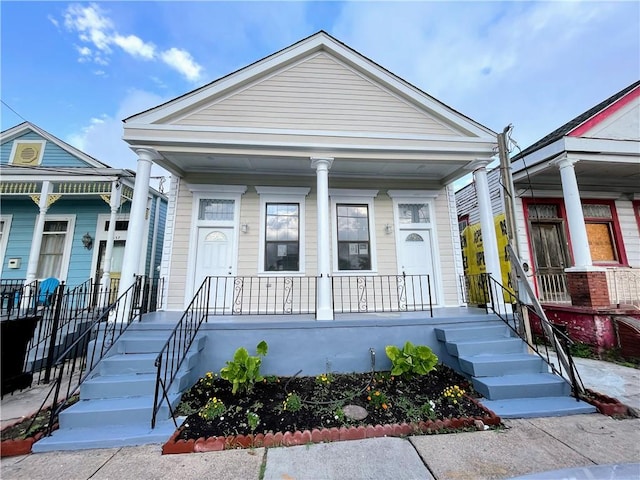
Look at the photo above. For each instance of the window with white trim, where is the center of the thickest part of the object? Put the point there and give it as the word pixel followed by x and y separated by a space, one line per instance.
pixel 353 231
pixel 55 248
pixel 5 226
pixel 282 229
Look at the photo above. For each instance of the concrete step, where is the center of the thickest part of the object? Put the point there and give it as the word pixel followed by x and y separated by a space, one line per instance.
pixel 98 413
pixel 106 437
pixel 491 330
pixel 136 342
pixel 525 385
pixel 115 386
pixel 537 407
pixel 499 364
pixel 134 363
pixel 476 347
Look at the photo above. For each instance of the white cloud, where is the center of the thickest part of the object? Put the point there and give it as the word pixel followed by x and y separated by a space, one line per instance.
pixel 183 62
pixel 94 27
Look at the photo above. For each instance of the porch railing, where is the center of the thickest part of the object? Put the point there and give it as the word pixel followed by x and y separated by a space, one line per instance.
pixel 382 293
pixel 77 362
pixel 624 286
pixel 552 287
pixel 513 310
pixel 474 289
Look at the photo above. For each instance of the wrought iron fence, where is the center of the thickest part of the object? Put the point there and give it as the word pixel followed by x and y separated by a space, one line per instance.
pixel 382 293
pixel 76 363
pixel 552 287
pixel 474 289
pixel 624 286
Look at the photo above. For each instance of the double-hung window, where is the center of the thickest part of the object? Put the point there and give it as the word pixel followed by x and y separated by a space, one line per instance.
pixel 55 248
pixel 282 229
pixel 353 232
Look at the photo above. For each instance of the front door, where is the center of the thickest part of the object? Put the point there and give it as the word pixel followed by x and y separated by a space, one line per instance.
pixel 214 259
pixel 416 262
pixel 551 259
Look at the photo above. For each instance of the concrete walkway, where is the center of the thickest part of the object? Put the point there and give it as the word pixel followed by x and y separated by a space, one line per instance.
pixel 589 444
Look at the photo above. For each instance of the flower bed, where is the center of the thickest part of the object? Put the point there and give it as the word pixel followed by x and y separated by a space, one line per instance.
pixel 606 405
pixel 300 410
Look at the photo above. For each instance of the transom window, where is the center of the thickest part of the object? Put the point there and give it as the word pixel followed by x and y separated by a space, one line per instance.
pixel 216 209
pixel 354 246
pixel 282 237
pixel 413 213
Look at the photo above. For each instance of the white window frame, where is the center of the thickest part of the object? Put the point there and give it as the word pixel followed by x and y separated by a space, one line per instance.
pixel 282 195
pixel 353 197
pixel 14 149
pixel 6 219
pixel 68 242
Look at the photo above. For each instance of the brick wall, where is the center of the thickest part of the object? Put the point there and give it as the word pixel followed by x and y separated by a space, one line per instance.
pixel 588 289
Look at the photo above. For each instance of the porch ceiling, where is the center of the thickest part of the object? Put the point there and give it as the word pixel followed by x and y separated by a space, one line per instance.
pixel 442 168
pixel 600 175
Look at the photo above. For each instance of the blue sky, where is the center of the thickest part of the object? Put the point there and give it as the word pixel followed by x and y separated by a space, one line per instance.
pixel 78 69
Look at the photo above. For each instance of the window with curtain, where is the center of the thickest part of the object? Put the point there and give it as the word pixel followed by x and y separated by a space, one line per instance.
pixel 354 246
pixel 282 237
pixel 52 249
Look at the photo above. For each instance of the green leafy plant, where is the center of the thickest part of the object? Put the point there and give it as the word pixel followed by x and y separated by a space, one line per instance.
pixel 293 402
pixel 244 370
pixel 377 399
pixel 324 379
pixel 411 360
pixel 213 409
pixel 253 419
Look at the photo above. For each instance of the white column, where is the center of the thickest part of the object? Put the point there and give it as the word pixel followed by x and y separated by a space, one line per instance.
pixel 575 217
pixel 36 241
pixel 137 221
pixel 114 204
pixel 324 309
pixel 487 225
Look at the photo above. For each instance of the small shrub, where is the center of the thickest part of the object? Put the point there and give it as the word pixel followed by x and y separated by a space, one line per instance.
pixel 412 360
pixel 213 409
pixel 378 399
pixel 582 350
pixel 293 403
pixel 244 370
pixel 253 419
pixel 453 394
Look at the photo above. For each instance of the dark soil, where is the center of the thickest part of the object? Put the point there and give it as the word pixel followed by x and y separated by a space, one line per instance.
pixel 323 400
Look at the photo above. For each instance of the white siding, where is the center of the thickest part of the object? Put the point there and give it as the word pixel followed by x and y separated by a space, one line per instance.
pixel 623 124
pixel 181 248
pixel 467 198
pixel 630 233
pixel 319 93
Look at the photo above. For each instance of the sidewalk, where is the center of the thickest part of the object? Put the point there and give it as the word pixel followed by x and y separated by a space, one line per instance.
pixel 524 446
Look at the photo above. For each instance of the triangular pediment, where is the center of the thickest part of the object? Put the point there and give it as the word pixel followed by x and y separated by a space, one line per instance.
pixel 317 84
pixel 27 145
pixel 620 124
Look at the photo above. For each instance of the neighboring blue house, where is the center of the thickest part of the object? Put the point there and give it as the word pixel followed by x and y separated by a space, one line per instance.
pixel 64 214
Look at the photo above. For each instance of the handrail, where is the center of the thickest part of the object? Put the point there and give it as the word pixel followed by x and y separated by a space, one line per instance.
pixel 175 349
pixel 501 297
pixel 77 363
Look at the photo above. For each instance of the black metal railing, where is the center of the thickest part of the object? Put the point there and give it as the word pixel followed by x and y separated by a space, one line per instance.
pixel 175 349
pixel 555 349
pixel 77 362
pixel 382 293
pixel 474 289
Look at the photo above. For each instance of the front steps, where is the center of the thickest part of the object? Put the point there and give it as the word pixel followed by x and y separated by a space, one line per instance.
pixel 513 382
pixel 116 402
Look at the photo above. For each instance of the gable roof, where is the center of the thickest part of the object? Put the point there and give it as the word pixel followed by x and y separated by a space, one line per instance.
pixel 573 127
pixel 320 41
pixel 25 127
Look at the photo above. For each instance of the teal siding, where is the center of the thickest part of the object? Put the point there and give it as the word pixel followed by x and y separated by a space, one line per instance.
pixel 19 242
pixel 153 259
pixel 54 156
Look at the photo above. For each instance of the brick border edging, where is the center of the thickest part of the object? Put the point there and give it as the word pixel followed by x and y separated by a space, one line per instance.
pixel 12 448
pixel 606 405
pixel 334 434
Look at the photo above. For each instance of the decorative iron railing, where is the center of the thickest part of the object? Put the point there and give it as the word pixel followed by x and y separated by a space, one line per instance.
pixel 510 307
pixel 382 293
pixel 552 288
pixel 175 349
pixel 624 286
pixel 77 362
pixel 474 289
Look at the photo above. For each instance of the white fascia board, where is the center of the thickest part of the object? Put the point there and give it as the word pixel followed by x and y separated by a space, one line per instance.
pixel 490 142
pixel 413 193
pixel 546 153
pixel 602 145
pixel 58 177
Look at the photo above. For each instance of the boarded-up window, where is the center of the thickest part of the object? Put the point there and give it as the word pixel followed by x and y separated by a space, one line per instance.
pixel 599 222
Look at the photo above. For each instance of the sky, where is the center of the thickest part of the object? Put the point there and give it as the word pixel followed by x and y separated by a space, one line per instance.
pixel 78 69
